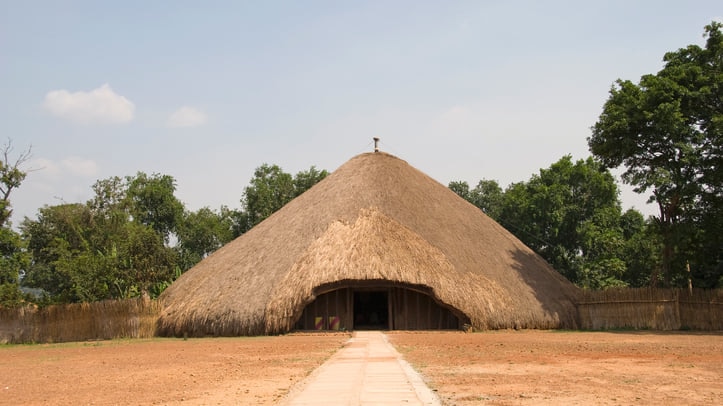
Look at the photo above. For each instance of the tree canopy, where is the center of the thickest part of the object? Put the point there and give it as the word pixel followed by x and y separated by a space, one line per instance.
pixel 270 189
pixel 13 257
pixel 102 249
pixel 570 214
pixel 666 131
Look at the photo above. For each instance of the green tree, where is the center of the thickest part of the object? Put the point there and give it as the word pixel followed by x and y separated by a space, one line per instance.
pixel 487 195
pixel 12 255
pixel 570 214
pixel 13 259
pixel 641 250
pixel 59 234
pixel 461 188
pixel 114 246
pixel 666 132
pixel 152 202
pixel 270 189
pixel 144 262
pixel 304 180
pixel 202 232
pixel 11 176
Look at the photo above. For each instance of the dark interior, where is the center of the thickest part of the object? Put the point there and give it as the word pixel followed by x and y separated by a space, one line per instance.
pixel 371 310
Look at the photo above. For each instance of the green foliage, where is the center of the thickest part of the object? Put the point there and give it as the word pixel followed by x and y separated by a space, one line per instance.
pixel 487 195
pixel 304 180
pixel 570 214
pixel 114 246
pixel 59 233
pixel 11 176
pixel 13 257
pixel 270 189
pixel 461 188
pixel 202 232
pixel 10 295
pixel 153 204
pixel 667 133
pixel 12 260
pixel 641 249
pixel 142 260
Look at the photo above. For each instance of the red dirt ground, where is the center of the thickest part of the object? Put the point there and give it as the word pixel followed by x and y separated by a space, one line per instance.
pixel 498 368
pixel 208 371
pixel 571 368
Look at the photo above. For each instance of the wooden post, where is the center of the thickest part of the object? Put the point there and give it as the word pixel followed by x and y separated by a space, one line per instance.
pixel 690 281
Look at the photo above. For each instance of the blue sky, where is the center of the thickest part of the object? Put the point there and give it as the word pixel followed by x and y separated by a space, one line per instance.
pixel 208 91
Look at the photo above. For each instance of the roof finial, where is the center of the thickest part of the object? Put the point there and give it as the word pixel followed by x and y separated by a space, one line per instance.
pixel 376 144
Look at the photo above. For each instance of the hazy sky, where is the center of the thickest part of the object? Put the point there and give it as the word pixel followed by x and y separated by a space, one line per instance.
pixel 206 91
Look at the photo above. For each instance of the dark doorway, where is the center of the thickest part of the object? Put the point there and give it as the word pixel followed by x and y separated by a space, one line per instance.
pixel 371 310
pixel 379 305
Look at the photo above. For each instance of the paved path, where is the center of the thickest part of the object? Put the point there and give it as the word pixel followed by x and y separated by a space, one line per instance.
pixel 367 371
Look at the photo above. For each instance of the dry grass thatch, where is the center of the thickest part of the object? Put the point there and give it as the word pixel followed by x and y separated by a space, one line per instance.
pixel 374 218
pixel 131 318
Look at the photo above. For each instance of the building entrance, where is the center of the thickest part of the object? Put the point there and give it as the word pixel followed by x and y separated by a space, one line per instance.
pixel 378 308
pixel 371 310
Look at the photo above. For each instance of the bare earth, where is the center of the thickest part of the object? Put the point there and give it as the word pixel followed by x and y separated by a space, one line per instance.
pixel 571 368
pixel 209 371
pixel 497 368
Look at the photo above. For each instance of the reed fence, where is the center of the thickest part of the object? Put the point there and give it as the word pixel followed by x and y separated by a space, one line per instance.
pixel 654 309
pixel 131 318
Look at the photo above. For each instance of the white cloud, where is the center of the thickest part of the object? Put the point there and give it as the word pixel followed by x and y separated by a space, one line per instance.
pixel 79 166
pixel 186 117
pixel 98 106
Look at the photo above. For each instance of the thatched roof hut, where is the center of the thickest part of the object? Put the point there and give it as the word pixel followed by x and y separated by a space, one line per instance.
pixel 376 244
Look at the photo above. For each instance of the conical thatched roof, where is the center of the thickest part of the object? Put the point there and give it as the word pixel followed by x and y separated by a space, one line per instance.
pixel 374 218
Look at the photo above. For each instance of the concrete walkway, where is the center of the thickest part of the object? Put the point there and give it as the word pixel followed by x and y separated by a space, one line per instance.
pixel 367 371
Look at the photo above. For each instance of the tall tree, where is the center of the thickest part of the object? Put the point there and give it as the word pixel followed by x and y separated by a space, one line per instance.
pixel 270 189
pixel 11 176
pixel 12 254
pixel 59 234
pixel 304 180
pixel 13 259
pixel 570 214
pixel 143 262
pixel 201 233
pixel 114 246
pixel 641 251
pixel 667 133
pixel 461 188
pixel 487 195
pixel 153 203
